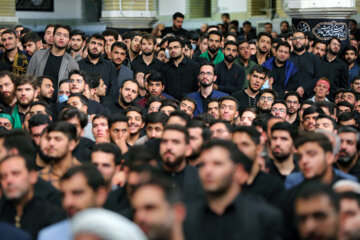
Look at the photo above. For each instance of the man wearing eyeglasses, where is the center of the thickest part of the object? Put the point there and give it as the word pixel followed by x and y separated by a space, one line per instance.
pixel 308 63
pixel 207 78
pixel 54 62
pixel 266 99
pixel 280 109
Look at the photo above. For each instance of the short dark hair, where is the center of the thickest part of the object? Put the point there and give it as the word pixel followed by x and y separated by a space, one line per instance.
pixel 109 148
pixel 190 99
pixel 148 37
pixel 102 115
pixel 30 37
pixel 214 32
pixel 180 114
pixel 311 110
pixel 12 139
pixel 70 113
pixel 111 32
pixel 9 31
pixel 226 123
pixel 41 78
pixel 26 79
pixel 231 43
pixel 94 178
pixel 176 39
pixel 78 32
pixel 344 104
pixel 314 188
pixel 119 45
pixel 259 69
pixel 231 98
pixel 285 126
pixel 155 76
pixel 345 116
pixel 82 98
pixel 314 137
pixel 284 44
pixel 118 117
pixel 37 120
pixel 169 102
pixel 292 93
pixel 66 128
pixel 334 38
pixel 327 104
pixel 236 156
pixel 265 35
pixel 97 36
pixel 157 117
pixel 268 90
pixel 57 26
pixel 138 110
pixel 281 102
pixel 94 80
pixel 179 128
pixel 44 104
pixel 178 15
pixel 250 131
pixel 333 122
pixel 82 73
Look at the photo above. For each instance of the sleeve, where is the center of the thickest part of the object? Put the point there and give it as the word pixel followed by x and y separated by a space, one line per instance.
pixel 113 83
pixel 31 69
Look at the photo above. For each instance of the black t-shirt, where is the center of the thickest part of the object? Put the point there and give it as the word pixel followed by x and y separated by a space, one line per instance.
pixel 278 73
pixel 52 69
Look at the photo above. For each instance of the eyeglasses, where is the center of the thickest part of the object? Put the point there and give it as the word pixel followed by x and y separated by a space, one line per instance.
pixel 274 110
pixel 78 81
pixel 291 102
pixel 296 38
pixel 62 34
pixel 269 99
pixel 207 73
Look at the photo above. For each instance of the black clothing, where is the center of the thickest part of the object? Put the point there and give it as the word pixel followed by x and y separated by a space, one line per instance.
pixel 278 73
pixel 107 71
pixel 245 218
pixel 180 32
pixel 355 170
pixel 138 65
pixel 114 106
pixel 245 100
pixel 4 66
pixel 187 181
pixel 82 152
pixel 52 69
pixel 310 66
pixel 254 58
pixel 37 214
pixel 266 186
pixel 118 202
pixel 273 170
pixel 229 80
pixel 337 72
pixel 46 191
pixel 205 101
pixel 181 80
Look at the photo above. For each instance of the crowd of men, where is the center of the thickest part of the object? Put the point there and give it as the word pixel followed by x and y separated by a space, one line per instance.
pixel 179 134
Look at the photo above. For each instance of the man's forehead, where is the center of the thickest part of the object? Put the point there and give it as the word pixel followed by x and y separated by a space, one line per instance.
pixel 56 134
pixel 75 75
pixel 5 78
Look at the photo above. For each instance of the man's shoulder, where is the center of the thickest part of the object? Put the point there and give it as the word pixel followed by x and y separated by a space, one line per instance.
pixel 217 94
pixel 9 232
pixel 193 95
pixel 60 230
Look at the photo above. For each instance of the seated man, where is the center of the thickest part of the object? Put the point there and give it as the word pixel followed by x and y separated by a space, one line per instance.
pixel 154 127
pixel 100 128
pixel 321 89
pixel 188 105
pixel 155 87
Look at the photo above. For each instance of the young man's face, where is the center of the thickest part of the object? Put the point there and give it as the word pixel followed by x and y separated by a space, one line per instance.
pixel 77 83
pixel 155 88
pixel 9 41
pixel 30 48
pixel 178 22
pixel 49 36
pixel 135 122
pixel 96 47
pixel 25 94
pixel 118 55
pixel 61 38
pixel 76 42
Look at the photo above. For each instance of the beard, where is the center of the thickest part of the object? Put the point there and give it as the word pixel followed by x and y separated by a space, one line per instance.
pixel 57 159
pixel 349 61
pixel 281 157
pixel 136 52
pixel 222 189
pixel 229 58
pixel 59 47
pixel 122 99
pixel 213 50
pixel 176 58
pixel 148 53
pixel 46 158
pixel 205 84
pixel 345 161
pixel 263 52
pixel 25 105
pixel 173 164
pixel 8 99
pixel 280 61
pixel 94 55
pixel 332 52
pixel 299 49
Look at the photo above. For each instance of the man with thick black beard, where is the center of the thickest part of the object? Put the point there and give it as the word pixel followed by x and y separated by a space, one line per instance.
pixel 174 147
pixel 282 149
pixel 147 62
pixel 94 63
pixel 334 68
pixel 347 158
pixel 213 54
pixel 230 77
pixel 308 63
pixel 7 90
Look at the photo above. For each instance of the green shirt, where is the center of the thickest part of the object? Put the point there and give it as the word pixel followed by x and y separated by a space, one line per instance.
pixel 250 65
pixel 218 58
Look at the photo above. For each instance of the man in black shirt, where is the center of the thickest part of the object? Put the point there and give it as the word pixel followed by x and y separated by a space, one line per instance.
pixel 224 214
pixel 135 46
pixel 263 51
pixel 147 62
pixel 334 68
pixel 258 183
pixel 118 57
pixel 94 63
pixel 230 77
pixel 282 150
pixel 19 206
pixel 126 97
pixel 248 97
pixel 176 29
pixel 174 147
pixel 307 62
pixel 180 73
